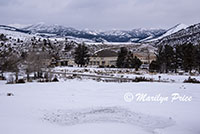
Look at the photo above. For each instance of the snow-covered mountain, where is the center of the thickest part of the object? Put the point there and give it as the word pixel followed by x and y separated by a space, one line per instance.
pixel 15 33
pixel 168 32
pixel 134 35
pixel 190 34
pixel 50 29
pixel 57 31
pixel 172 30
pixel 20 26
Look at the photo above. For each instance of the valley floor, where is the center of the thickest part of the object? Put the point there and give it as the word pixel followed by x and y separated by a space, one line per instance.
pixel 90 107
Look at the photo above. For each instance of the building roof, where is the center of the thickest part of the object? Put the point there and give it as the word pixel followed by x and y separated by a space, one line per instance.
pixel 105 53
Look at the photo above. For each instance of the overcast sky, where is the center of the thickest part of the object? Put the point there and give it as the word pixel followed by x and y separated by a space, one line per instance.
pixel 101 14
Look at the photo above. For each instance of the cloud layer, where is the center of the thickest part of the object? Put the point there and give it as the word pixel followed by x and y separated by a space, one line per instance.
pixel 101 14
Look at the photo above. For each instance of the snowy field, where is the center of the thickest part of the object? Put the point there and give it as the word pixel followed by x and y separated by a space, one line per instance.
pixel 90 107
pixel 126 73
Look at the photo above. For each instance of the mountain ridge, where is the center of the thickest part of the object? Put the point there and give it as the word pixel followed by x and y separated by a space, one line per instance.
pixel 138 35
pixel 134 35
pixel 190 34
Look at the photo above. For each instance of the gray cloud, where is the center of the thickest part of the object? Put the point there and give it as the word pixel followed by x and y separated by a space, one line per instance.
pixel 101 14
pixel 6 2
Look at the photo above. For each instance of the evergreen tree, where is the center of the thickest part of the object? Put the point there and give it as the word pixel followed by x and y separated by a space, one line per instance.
pixel 3 37
pixel 169 58
pixel 121 57
pixel 160 59
pixel 178 57
pixel 197 57
pixel 188 57
pixel 166 59
pixel 136 63
pixel 81 55
pixel 127 60
pixel 154 66
pixel 184 57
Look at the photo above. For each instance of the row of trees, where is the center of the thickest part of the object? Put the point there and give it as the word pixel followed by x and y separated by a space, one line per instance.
pixel 31 62
pixel 35 56
pixel 9 62
pixel 184 57
pixel 32 58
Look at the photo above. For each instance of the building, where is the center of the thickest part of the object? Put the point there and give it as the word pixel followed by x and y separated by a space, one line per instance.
pixel 104 58
pixel 62 62
pixel 146 58
pixel 146 53
pixel 71 62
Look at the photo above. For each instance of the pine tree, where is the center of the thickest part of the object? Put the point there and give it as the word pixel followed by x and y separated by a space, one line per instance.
pixel 178 57
pixel 188 57
pixel 160 59
pixel 127 60
pixel 121 57
pixel 197 57
pixel 136 63
pixel 154 66
pixel 169 58
pixel 3 37
pixel 166 59
pixel 81 55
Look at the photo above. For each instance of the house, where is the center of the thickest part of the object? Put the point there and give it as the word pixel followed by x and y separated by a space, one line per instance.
pixel 146 58
pixel 63 62
pixel 58 61
pixel 103 58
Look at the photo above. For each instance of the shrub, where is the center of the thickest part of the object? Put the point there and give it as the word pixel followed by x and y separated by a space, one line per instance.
pixel 100 66
pixel 21 81
pixel 191 80
pixel 112 66
pixel 86 70
pixel 10 94
pixel 141 79
pixel 2 78
pixel 55 79
pixel 74 75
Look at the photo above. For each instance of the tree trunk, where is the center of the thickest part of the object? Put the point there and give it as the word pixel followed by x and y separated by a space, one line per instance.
pixel 35 76
pixel 2 74
pixel 16 76
pixel 28 77
pixel 176 70
pixel 199 69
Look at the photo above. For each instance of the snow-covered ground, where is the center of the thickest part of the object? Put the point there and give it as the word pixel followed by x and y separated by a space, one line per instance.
pixel 90 107
pixel 15 35
pixel 125 73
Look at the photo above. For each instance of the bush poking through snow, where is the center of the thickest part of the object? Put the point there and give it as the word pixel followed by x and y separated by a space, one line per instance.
pixel 10 94
pixel 2 78
pixel 21 81
pixel 142 79
pixel 55 79
pixel 191 80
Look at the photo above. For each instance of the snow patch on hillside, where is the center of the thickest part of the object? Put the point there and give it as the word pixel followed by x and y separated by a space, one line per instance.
pixel 172 31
